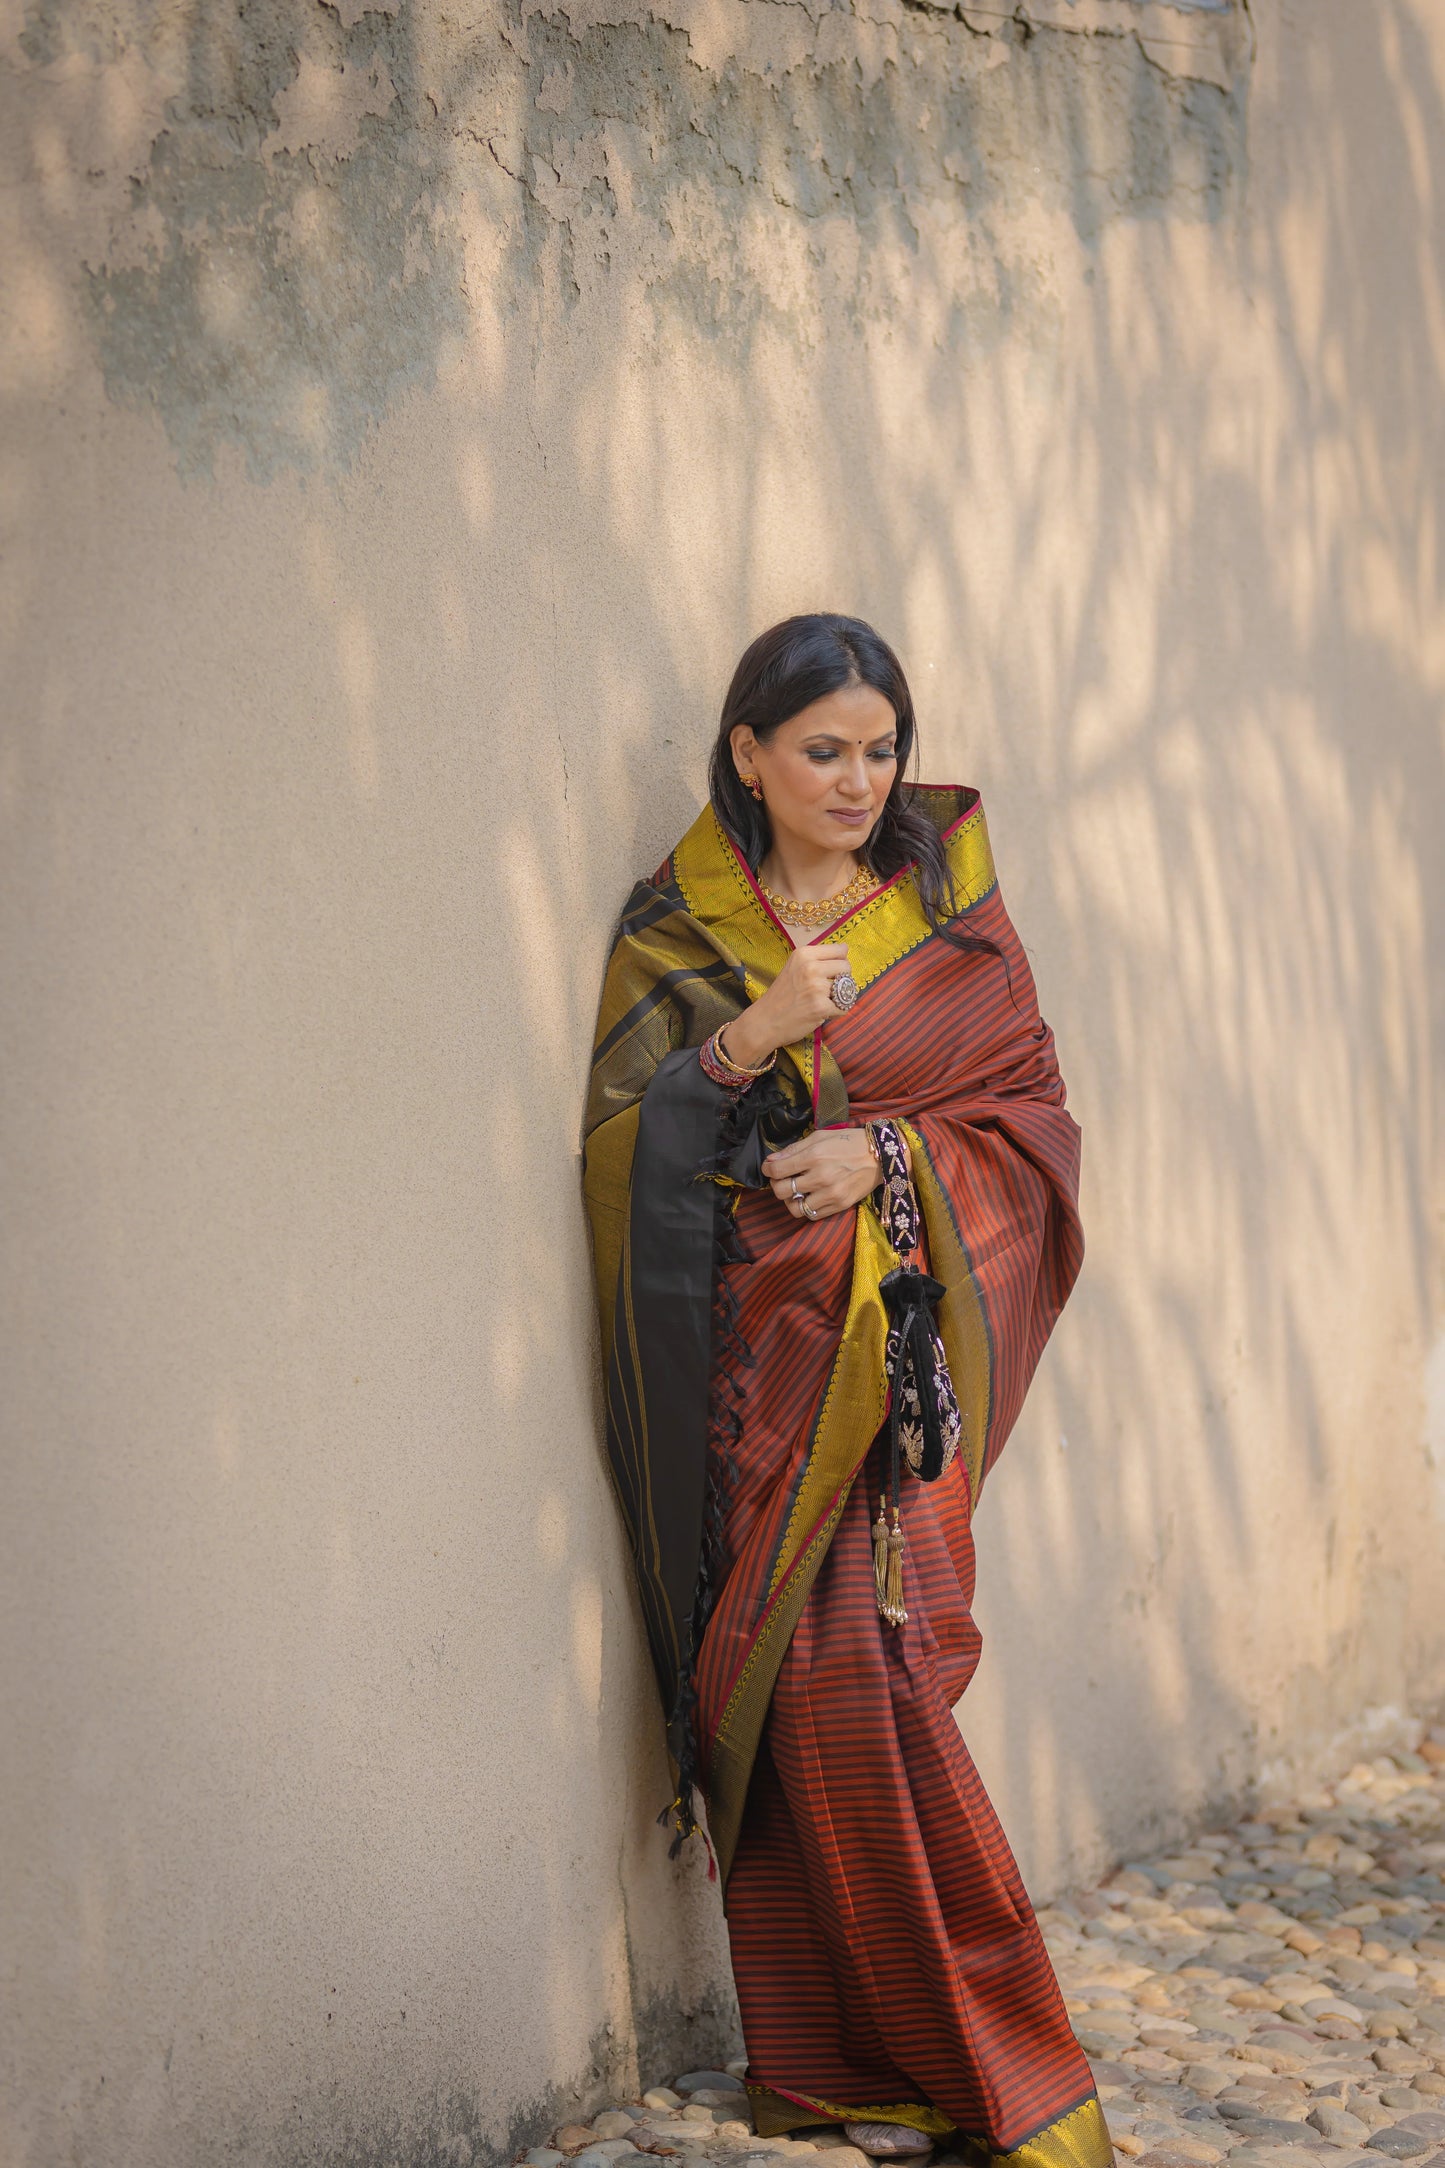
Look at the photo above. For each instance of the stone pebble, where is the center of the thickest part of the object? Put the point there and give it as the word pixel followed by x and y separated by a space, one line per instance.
pixel 1337 2124
pixel 1299 1961
pixel 1270 1995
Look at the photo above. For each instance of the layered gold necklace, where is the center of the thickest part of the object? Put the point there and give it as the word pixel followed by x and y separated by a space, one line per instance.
pixel 822 913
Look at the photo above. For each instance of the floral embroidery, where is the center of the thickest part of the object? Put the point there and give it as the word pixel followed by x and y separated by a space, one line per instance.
pixel 899 1213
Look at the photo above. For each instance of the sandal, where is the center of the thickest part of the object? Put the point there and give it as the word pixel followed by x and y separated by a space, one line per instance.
pixel 889 2141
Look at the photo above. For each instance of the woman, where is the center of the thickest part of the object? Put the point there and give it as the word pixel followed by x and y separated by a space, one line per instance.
pixel 824 1103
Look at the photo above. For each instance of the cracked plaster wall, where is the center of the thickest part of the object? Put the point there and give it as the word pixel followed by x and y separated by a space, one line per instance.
pixel 291 209
pixel 408 412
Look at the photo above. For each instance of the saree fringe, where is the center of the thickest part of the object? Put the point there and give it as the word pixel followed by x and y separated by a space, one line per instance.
pixel 731 1357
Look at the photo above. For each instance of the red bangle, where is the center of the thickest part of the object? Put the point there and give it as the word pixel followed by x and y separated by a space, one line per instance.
pixel 712 1067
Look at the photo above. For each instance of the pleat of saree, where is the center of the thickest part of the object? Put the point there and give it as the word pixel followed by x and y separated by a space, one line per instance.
pixel 886 1957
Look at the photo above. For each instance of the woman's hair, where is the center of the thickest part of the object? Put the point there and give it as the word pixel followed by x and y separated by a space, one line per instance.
pixel 784 671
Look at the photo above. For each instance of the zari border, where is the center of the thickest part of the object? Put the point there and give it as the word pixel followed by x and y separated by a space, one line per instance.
pixel 855 1399
pixel 1077 2139
pixel 609 1173
pixel 888 925
pixel 775 2111
pixel 852 1410
pixel 718 887
pixel 720 891
pixel 735 1743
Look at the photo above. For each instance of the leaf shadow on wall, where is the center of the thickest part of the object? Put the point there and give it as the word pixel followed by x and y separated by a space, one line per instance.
pixel 515 380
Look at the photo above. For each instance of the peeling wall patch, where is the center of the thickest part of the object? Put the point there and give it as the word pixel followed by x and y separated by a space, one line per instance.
pixel 291 253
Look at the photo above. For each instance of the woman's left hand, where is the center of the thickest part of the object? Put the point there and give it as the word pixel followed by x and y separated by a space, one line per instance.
pixel 832 1170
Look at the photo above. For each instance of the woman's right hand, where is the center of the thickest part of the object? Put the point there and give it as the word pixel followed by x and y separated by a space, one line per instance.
pixel 798 1001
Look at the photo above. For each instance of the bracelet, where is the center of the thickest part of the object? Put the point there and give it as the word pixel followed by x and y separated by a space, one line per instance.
pixel 721 1067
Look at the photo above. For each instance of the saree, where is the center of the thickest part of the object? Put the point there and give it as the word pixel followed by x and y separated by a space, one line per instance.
pixel 887 1960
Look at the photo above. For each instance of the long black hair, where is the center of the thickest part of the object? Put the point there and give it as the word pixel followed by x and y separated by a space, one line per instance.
pixel 784 671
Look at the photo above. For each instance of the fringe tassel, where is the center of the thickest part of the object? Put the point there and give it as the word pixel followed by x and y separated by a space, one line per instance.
pixel 681 1817
pixel 880 1560
pixel 680 1814
pixel 893 1610
pixel 888 1567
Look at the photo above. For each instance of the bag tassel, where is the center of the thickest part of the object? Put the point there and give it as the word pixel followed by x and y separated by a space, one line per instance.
pixel 888 1543
pixel 893 1609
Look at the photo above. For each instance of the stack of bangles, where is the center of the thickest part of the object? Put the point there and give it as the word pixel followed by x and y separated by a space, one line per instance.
pixel 732 1075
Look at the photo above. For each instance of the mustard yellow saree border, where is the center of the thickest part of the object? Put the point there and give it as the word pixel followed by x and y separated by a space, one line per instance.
pixel 847 1423
pixel 719 890
pixel 853 1408
pixel 609 1167
pixel 855 1400
pixel 1079 2139
pixel 774 2113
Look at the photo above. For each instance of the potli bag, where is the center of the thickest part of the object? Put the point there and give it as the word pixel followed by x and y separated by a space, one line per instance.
pixel 923 1419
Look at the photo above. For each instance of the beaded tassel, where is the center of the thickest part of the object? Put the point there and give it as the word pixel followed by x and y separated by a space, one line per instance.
pixel 880 1560
pixel 894 1612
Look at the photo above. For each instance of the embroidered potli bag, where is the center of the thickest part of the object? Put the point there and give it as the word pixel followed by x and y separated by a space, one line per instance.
pixel 923 1420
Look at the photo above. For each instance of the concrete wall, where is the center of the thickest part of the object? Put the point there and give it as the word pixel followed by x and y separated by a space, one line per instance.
pixel 408 413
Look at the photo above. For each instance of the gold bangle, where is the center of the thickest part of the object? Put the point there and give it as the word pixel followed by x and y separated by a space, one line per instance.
pixel 739 1068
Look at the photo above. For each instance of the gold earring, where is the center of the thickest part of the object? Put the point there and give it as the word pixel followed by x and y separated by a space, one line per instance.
pixel 750 782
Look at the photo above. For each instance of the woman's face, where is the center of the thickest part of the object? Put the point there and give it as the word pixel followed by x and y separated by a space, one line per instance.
pixel 826 771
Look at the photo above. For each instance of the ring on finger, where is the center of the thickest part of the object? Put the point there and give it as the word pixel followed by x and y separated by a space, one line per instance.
pixel 797 1193
pixel 808 1212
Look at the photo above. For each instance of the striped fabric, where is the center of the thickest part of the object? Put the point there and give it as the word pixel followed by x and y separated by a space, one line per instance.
pixel 887 1961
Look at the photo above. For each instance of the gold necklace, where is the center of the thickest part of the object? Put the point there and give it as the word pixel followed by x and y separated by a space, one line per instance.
pixel 827 908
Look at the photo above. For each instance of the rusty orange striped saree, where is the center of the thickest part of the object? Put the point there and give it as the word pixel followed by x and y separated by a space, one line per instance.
pixel 887 1961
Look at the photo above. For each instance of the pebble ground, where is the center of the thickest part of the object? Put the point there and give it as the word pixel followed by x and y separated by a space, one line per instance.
pixel 1272 1995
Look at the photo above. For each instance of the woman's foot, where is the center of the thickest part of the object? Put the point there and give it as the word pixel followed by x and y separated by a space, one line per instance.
pixel 888 2141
